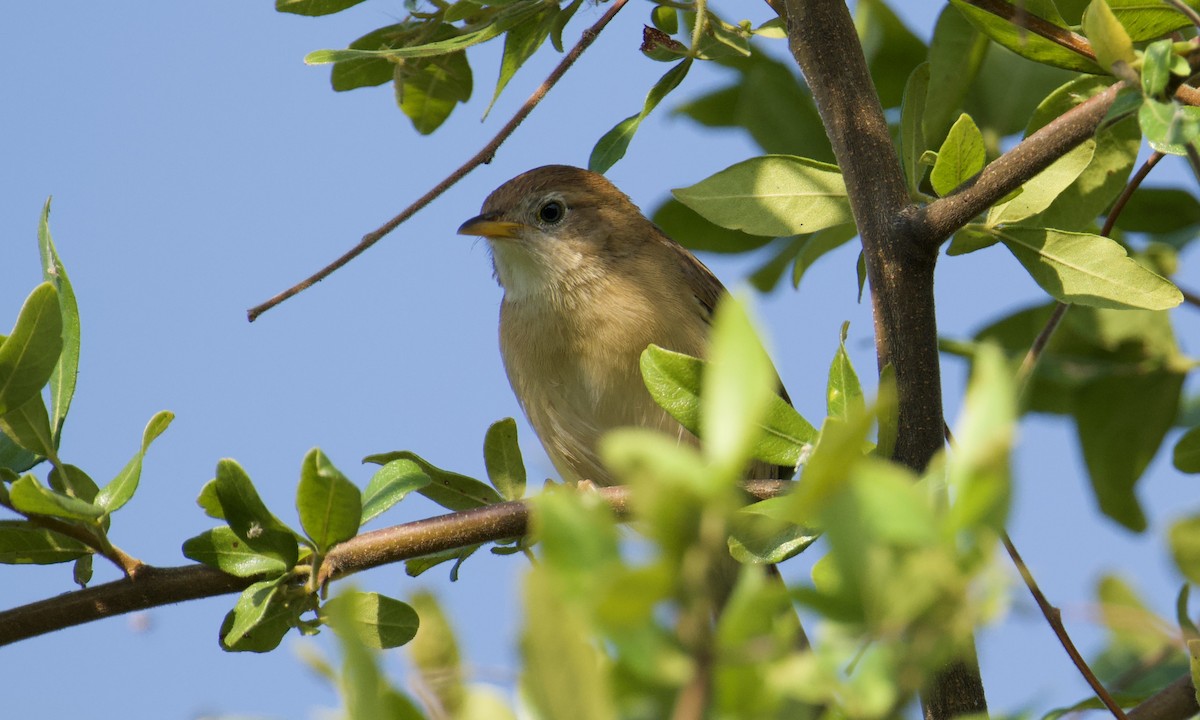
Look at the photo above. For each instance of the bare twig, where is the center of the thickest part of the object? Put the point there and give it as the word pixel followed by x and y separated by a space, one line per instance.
pixel 155 586
pixel 1190 297
pixel 1054 618
pixel 483 156
pixel 1029 364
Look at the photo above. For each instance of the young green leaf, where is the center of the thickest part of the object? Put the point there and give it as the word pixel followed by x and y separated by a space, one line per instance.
pixel 249 518
pixel 383 622
pixel 73 481
pixel 62 380
pixel 222 549
pixel 1156 67
pixel 29 427
pixel 314 7
pixel 817 245
pixel 29 496
pixel 81 573
pixel 1044 188
pixel 260 619
pixel 961 156
pixel 1184 538
pixel 434 653
pixel 762 533
pixel 418 565
pixel 844 396
pixel 30 353
pixel 330 505
pixel 22 542
pixel 448 489
pixel 612 146
pixel 391 484
pixel 1087 269
pixel 1109 39
pixel 502 457
pixel 371 71
pixel 1169 127
pixel 978 468
pixel 773 195
pixel 521 43
pixel 118 492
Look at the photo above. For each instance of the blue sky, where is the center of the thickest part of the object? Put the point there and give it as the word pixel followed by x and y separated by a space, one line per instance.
pixel 198 167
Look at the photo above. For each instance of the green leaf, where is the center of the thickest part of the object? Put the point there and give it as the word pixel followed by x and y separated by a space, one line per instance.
pixel 774 195
pixel 737 386
pixel 1156 67
pixel 843 396
pixel 770 102
pixel 391 484
pixel 73 481
pixel 891 49
pixel 763 533
pixel 1160 210
pixel 450 490
pixel 781 254
pixel 29 427
pixel 1146 21
pixel 978 470
pixel 817 245
pixel 222 549
pixel 118 492
pixel 1187 452
pixel 502 457
pixel 1121 424
pixel 22 542
pixel 435 656
pixel 13 456
pixel 1184 539
pixel 383 622
pixel 1117 144
pixel 372 71
pixel 521 43
pixel 674 381
pixel 1043 189
pixel 330 505
pixel 1087 269
pixel 429 88
pixel 249 518
pixel 511 16
pixel 418 565
pixel 960 157
pixel 62 380
pixel 314 7
pixel 209 502
pixel 260 619
pixel 1132 624
pixel 912 131
pixel 30 353
pixel 29 496
pixel 563 675
pixel 1109 39
pixel 560 23
pixel 665 19
pixel 970 239
pixel 691 230
pixel 612 146
pixel 1168 126
pixel 81 573
pixel 956 55
pixel 1023 42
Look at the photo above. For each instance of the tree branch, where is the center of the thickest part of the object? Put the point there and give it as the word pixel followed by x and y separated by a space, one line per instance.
pixel 1176 701
pixel 155 586
pixel 938 220
pixel 479 158
pixel 900 267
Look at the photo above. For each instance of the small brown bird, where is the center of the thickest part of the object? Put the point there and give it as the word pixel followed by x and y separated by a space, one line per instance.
pixel 589 282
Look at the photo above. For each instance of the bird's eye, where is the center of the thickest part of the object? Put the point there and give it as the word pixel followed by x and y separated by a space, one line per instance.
pixel 551 212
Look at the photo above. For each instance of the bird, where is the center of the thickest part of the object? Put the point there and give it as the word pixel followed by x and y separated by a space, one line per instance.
pixel 589 282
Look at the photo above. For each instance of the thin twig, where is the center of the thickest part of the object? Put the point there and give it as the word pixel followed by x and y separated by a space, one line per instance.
pixel 1054 618
pixel 1134 183
pixel 1018 15
pixel 1190 297
pixel 155 586
pixel 480 158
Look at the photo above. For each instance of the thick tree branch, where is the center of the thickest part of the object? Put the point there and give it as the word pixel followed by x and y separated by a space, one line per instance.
pixel 1176 701
pixel 155 586
pixel 824 42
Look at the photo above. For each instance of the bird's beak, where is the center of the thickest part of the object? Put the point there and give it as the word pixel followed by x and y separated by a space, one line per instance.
pixel 488 226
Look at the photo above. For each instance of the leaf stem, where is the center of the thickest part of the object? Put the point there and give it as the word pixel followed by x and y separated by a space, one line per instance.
pixel 484 156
